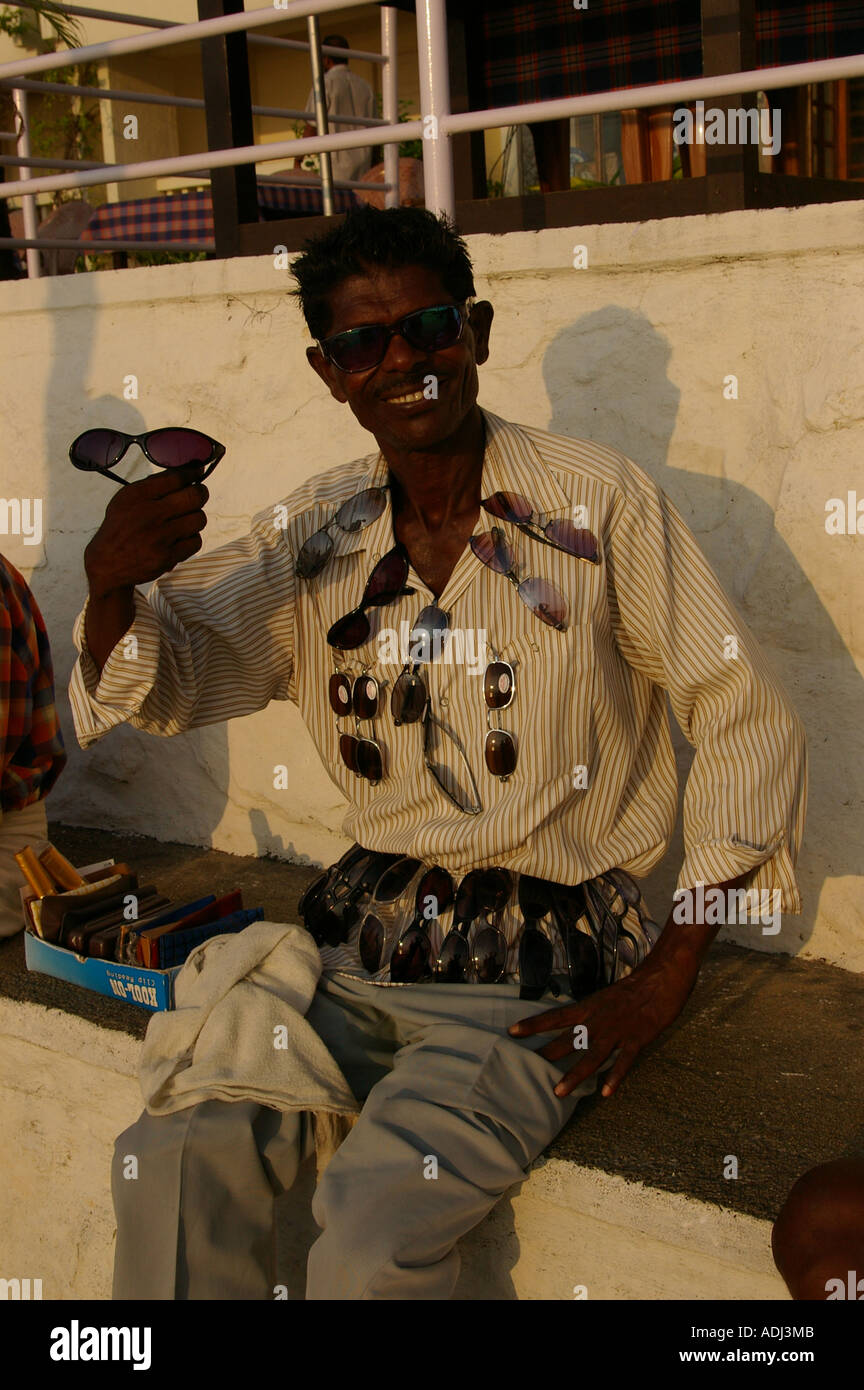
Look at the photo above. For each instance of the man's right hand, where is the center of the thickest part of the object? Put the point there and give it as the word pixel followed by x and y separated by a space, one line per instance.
pixel 149 527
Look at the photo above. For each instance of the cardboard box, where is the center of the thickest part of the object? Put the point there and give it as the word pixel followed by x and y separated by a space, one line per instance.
pixel 150 989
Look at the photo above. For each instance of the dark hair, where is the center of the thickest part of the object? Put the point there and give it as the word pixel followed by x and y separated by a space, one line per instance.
pixel 335 41
pixel 392 237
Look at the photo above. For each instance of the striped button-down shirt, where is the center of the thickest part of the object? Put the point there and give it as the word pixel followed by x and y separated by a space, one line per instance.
pixel 595 783
pixel 32 755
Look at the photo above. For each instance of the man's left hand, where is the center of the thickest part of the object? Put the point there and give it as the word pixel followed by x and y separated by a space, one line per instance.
pixel 626 1016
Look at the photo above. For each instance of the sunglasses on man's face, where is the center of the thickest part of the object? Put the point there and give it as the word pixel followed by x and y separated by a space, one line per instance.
pixel 97 451
pixel 425 330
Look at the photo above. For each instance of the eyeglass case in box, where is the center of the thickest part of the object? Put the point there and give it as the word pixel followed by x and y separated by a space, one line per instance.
pixel 150 989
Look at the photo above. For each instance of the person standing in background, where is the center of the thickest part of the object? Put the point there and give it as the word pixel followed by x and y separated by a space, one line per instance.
pixel 32 754
pixel 347 95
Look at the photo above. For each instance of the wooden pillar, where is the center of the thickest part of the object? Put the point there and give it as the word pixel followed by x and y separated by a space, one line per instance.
pixel 729 45
pixel 228 110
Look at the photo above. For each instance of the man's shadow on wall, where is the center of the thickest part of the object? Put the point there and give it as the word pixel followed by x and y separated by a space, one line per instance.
pixel 735 528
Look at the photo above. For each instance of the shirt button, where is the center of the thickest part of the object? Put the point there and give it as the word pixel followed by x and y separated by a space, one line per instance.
pixel 444 702
pixel 533 646
pixel 376 556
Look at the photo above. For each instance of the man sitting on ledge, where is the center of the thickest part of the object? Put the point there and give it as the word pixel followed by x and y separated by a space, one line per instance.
pixel 487 958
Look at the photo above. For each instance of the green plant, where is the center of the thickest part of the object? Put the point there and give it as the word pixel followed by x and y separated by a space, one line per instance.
pixel 20 26
pixel 408 149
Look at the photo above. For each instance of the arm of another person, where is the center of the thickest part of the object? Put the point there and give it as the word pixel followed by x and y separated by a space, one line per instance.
pixel 745 796
pixel 32 754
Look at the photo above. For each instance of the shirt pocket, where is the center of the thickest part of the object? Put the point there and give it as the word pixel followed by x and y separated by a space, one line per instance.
pixel 552 713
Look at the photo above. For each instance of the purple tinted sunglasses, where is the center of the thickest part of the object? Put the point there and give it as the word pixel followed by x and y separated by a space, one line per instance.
pixel 97 451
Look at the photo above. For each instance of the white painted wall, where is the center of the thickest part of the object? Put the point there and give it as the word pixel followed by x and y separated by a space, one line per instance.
pixel 632 351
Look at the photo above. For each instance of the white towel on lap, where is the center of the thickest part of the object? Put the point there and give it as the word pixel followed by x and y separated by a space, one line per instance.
pixel 238 1030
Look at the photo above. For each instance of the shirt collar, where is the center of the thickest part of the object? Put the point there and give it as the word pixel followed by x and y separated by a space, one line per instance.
pixel 511 463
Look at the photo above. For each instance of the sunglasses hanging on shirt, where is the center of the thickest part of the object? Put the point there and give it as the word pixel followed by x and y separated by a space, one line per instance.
pixel 385 584
pixel 562 534
pixel 359 511
pixel 98 451
pixel 499 685
pixel 545 601
pixel 443 753
pixel 362 756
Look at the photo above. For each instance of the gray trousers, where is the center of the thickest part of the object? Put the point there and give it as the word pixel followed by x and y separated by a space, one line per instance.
pixel 454 1113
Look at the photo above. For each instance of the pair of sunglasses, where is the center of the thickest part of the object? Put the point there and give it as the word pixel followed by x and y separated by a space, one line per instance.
pixel 425 330
pixel 385 584
pixel 545 601
pixel 359 511
pixel 410 703
pixel 362 756
pixel 535 948
pixel 499 687
pixel 411 957
pixel 329 907
pixel 389 888
pixel 480 892
pixel 561 533
pixel 98 451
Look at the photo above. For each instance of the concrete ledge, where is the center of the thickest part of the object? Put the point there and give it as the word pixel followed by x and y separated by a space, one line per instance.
pixel 765 1065
pixel 70 1087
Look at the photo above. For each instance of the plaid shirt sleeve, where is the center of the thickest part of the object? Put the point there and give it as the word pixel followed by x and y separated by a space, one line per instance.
pixel 32 754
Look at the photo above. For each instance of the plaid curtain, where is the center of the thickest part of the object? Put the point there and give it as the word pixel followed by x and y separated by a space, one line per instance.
pixel 546 49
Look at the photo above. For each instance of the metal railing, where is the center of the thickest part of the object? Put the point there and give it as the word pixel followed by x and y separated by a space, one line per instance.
pixel 436 127
pixel 164 33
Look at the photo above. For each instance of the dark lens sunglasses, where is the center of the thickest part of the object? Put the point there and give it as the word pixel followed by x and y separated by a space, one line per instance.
pixel 390 886
pixel 384 585
pixel 352 516
pixel 409 696
pixel 535 948
pixel 425 330
pixel 362 756
pixel 97 451
pixel 562 533
pixel 410 961
pixel 544 600
pixel 499 684
pixel 481 891
pixel 330 912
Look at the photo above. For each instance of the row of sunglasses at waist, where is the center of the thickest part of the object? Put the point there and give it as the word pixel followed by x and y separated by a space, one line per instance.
pixel 589 917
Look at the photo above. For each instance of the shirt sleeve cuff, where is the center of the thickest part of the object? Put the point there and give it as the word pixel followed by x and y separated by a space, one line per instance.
pixel 101 702
pixel 718 861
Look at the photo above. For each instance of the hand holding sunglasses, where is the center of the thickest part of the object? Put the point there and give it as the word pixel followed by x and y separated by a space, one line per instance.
pixel 98 451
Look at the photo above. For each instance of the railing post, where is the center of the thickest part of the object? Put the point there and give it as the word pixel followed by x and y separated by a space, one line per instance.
pixel 729 45
pixel 228 112
pixel 322 127
pixel 435 103
pixel 28 205
pixel 390 100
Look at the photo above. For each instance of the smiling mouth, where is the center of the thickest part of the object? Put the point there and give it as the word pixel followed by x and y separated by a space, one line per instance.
pixel 408 398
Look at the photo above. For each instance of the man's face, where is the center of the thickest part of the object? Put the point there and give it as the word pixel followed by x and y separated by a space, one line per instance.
pixel 383 296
